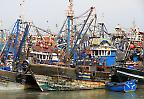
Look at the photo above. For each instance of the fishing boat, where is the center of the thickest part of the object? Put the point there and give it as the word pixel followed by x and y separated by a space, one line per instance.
pixel 132 65
pixel 97 60
pixel 78 59
pixel 53 77
pixel 51 74
pixel 13 76
pixel 127 86
pixel 60 76
pixel 51 65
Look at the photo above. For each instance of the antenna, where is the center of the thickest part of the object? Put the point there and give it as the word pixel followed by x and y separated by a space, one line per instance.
pixel 134 23
pixel 22 6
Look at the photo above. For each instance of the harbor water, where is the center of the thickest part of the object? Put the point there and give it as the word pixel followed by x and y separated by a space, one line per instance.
pixel 86 94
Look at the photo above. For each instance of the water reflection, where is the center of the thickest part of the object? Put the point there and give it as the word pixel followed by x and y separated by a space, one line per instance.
pixel 17 95
pixel 87 94
pixel 120 95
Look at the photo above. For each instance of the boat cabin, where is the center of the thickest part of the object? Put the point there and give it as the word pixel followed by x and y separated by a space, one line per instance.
pixel 104 53
pixel 43 57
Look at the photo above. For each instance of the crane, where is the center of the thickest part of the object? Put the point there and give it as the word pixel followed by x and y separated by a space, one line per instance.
pixel 11 38
pixel 15 41
pixel 81 31
pixel 70 14
pixel 72 35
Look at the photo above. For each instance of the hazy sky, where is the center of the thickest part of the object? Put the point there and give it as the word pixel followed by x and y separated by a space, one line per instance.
pixel 115 12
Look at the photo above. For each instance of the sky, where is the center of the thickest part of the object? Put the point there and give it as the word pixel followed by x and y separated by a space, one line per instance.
pixel 48 13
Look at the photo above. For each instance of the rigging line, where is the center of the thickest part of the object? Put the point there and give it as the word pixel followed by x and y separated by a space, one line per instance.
pixel 82 29
pixel 42 29
pixel 61 30
pixel 83 14
pixel 95 24
pixel 86 30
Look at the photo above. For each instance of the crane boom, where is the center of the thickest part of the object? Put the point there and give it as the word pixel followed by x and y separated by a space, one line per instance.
pixel 75 44
pixel 22 41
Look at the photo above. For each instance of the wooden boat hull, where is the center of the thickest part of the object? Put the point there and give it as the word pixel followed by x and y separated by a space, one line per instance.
pixel 10 81
pixel 48 83
pixel 59 78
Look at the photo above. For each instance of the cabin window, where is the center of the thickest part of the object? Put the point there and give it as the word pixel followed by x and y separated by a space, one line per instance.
pixel 47 57
pixel 96 52
pixel 108 53
pixel 40 56
pixel 50 57
pixel 44 57
pixel 102 53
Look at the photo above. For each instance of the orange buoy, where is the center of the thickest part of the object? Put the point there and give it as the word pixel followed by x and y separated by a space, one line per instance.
pixel 132 46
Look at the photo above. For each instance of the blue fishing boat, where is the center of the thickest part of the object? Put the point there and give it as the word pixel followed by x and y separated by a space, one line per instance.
pixel 122 86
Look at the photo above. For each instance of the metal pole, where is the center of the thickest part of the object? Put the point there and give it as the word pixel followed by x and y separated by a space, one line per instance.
pixel 69 34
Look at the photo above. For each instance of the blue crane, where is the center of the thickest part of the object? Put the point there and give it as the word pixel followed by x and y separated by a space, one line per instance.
pixel 12 37
pixel 81 31
pixel 14 43
pixel 22 42
pixel 75 34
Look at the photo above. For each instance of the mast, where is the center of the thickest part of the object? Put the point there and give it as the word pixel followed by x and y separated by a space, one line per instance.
pixel 22 8
pixel 70 14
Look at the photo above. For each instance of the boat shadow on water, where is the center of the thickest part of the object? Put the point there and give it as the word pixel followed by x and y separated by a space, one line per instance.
pixel 119 95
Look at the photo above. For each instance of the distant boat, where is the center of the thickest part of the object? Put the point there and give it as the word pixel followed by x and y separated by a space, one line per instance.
pixel 130 72
pixel 12 76
pixel 122 86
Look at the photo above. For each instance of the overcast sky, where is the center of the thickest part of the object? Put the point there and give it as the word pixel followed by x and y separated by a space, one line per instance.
pixel 48 13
